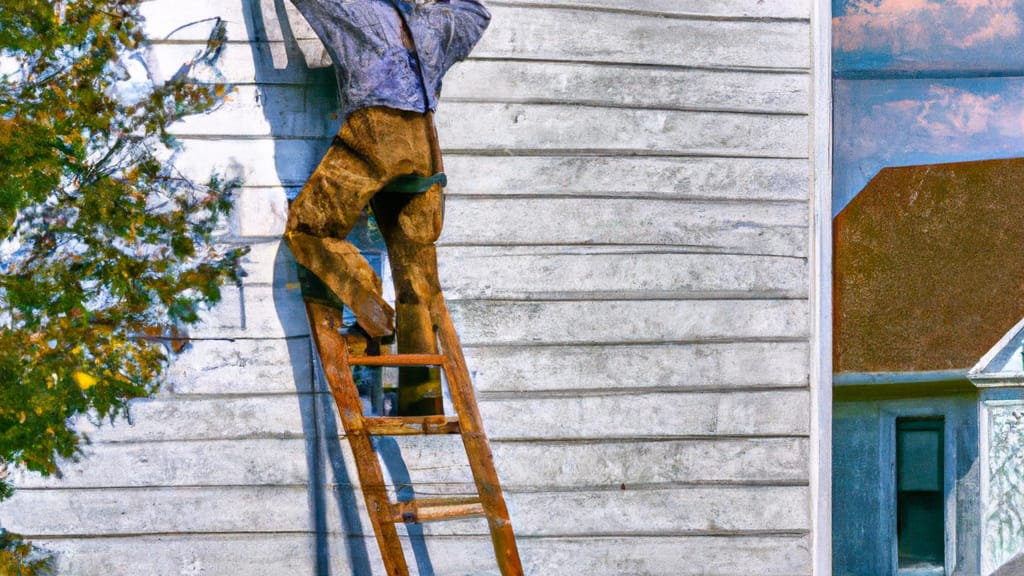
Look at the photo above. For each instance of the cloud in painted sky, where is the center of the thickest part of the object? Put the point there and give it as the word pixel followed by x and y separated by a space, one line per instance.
pixel 927 30
pixel 907 122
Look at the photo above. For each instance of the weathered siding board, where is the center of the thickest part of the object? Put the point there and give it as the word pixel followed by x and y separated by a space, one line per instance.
pixel 245 367
pixel 262 366
pixel 791 9
pixel 560 32
pixel 254 462
pixel 767 228
pixel 277 554
pixel 439 464
pixel 275 312
pixel 591 416
pixel 523 82
pixel 571 34
pixel 616 85
pixel 625 177
pixel 555 369
pixel 545 128
pixel 658 415
pixel 724 227
pixel 485 126
pixel 168 418
pixel 625 253
pixel 619 322
pixel 500 273
pixel 273 509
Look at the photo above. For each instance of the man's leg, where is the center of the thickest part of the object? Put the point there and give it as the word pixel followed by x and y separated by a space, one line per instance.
pixel 409 227
pixel 319 220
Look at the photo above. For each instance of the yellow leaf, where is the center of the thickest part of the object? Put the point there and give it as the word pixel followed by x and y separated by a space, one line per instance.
pixel 39 411
pixel 84 380
pixel 21 417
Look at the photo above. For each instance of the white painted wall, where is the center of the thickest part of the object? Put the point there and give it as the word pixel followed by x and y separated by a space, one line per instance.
pixel 626 255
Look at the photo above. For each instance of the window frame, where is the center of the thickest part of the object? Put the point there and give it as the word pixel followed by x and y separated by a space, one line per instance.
pixel 888 487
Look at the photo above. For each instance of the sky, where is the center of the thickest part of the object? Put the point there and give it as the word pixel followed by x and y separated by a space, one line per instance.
pixel 924 81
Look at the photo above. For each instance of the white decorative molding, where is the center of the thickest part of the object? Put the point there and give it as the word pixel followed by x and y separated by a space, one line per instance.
pixel 821 290
pixel 1002 366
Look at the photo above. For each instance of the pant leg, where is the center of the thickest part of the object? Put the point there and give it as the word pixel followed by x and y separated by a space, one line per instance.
pixel 374 146
pixel 322 216
pixel 410 226
pixel 414 271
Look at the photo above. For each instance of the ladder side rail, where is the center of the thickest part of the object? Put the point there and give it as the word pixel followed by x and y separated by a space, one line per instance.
pixel 481 460
pixel 333 352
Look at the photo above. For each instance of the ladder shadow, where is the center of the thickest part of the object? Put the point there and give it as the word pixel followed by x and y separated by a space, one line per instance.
pixel 278 63
pixel 391 455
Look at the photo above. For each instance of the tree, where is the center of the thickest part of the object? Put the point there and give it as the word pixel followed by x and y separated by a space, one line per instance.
pixel 106 249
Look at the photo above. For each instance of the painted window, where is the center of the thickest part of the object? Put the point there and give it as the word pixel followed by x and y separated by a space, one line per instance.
pixel 928 156
pixel 920 509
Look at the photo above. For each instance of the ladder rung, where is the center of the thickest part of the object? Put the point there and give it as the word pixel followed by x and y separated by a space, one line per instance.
pixel 412 425
pixel 428 509
pixel 398 360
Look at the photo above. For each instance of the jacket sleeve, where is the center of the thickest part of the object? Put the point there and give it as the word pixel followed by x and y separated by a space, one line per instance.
pixel 469 21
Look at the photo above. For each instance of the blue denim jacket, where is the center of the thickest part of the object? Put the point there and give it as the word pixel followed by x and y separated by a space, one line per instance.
pixel 364 38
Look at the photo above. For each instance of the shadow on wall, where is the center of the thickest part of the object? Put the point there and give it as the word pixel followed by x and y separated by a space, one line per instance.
pixel 281 76
pixel 299 104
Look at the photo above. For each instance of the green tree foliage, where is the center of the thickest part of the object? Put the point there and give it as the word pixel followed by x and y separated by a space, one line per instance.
pixel 105 248
pixel 17 558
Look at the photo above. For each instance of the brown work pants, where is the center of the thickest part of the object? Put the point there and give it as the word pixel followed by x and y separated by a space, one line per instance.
pixel 374 146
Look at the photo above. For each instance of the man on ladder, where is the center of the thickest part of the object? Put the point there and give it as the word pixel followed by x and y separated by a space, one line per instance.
pixel 389 58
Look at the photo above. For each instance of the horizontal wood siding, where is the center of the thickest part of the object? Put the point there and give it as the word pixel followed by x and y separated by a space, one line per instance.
pixel 625 254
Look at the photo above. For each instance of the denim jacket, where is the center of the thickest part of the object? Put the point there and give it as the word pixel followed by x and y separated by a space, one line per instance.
pixel 373 67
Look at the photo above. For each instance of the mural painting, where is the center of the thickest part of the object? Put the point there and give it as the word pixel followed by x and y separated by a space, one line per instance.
pixel 928 153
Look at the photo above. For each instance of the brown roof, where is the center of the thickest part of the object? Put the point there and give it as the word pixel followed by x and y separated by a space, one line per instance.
pixel 929 267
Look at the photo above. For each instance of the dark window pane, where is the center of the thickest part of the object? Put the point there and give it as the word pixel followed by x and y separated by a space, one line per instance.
pixel 920 513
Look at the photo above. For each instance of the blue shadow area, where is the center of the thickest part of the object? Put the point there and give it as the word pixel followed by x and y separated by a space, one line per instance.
pixel 331 483
pixel 323 454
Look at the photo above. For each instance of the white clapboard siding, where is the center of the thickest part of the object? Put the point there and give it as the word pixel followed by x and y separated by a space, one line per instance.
pixel 618 85
pixel 694 510
pixel 545 272
pixel 558 32
pixel 621 322
pixel 267 366
pixel 519 81
pixel 586 417
pixel 525 273
pixel 439 464
pixel 765 228
pixel 293 112
pixel 625 255
pixel 706 226
pixel 276 554
pixel 257 366
pixel 276 312
pixel 745 179
pixel 792 9
pixel 553 369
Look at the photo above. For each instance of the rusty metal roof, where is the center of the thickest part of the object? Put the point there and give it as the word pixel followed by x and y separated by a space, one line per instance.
pixel 929 267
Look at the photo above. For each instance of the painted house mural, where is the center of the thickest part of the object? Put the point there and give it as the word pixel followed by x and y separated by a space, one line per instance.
pixel 928 126
pixel 629 270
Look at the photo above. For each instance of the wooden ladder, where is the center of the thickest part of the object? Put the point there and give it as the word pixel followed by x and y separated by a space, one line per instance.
pixel 337 361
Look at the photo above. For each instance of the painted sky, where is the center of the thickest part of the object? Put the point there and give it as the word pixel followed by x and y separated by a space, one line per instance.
pixel 925 81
